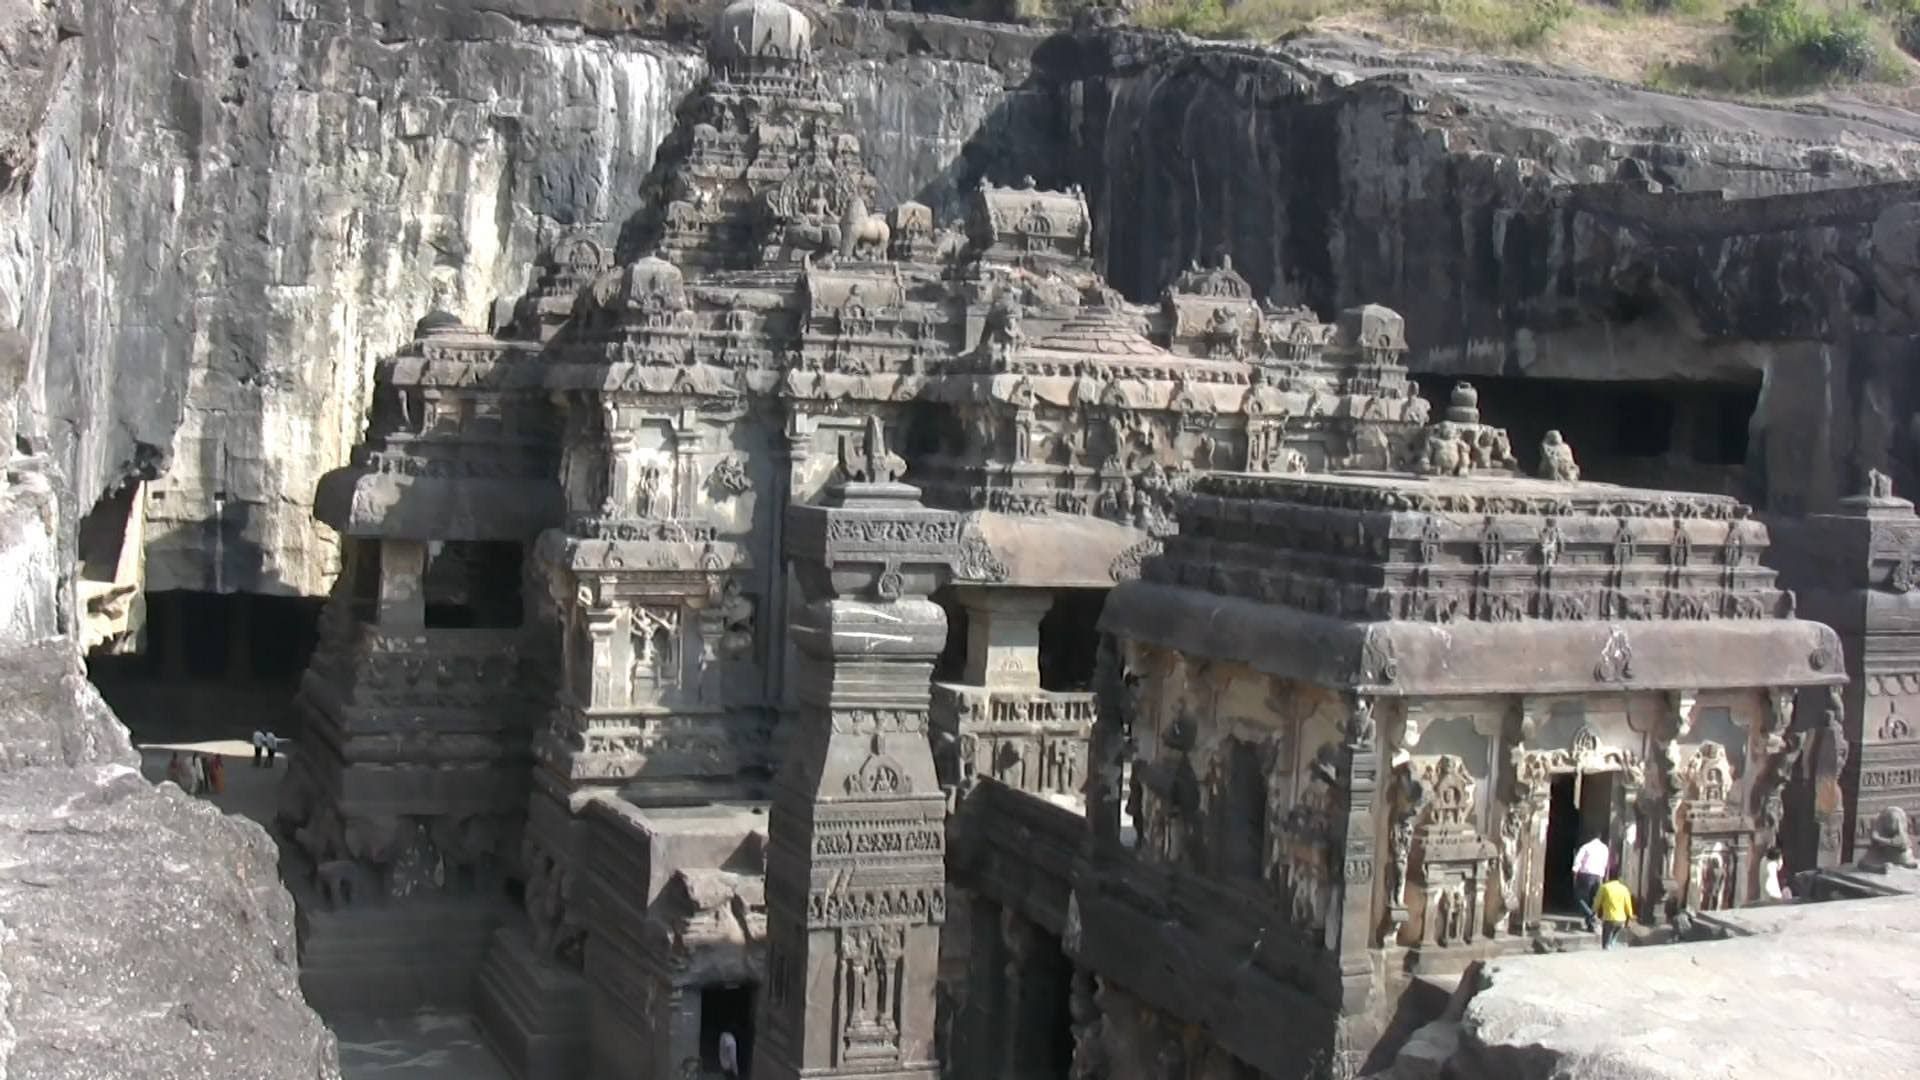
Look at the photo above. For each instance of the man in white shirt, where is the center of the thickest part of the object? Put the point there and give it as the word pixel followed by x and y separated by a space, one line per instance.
pixel 1589 869
pixel 729 1055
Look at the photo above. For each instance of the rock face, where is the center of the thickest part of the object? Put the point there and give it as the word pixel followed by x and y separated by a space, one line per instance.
pixel 142 932
pixel 1690 1010
pixel 1527 222
pixel 233 211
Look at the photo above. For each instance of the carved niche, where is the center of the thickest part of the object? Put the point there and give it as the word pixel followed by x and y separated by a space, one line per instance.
pixel 1449 857
pixel 1717 837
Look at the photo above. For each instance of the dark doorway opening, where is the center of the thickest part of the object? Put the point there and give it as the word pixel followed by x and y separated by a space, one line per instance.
pixel 1581 808
pixel 726 1010
pixel 1070 639
pixel 1240 840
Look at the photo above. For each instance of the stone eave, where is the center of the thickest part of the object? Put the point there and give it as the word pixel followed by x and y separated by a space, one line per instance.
pixel 1056 551
pixel 361 503
pixel 1529 656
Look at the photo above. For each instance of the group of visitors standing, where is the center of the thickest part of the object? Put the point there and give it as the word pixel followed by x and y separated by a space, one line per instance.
pixel 198 774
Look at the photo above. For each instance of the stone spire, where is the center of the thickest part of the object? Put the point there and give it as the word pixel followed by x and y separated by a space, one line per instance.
pixel 856 871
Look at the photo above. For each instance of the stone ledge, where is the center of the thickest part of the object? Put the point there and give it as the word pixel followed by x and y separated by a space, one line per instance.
pixel 1816 990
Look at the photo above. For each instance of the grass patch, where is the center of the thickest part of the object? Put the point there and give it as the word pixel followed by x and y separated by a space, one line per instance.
pixel 1792 46
pixel 1258 19
pixel 1726 46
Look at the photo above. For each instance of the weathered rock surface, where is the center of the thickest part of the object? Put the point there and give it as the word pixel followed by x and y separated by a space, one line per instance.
pixel 142 932
pixel 230 211
pixel 1504 209
pixel 1816 990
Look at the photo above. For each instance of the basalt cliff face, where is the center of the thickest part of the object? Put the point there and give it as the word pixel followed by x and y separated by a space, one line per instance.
pixel 1529 222
pixel 223 213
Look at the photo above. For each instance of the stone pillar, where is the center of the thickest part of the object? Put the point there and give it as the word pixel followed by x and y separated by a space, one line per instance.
pixel 856 867
pixel 1349 925
pixel 403 592
pixel 1003 636
pixel 617 498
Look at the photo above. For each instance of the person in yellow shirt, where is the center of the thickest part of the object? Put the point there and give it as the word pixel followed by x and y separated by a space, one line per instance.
pixel 1614 904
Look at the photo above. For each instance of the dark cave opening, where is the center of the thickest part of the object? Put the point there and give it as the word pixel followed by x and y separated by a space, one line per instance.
pixel 1685 436
pixel 214 665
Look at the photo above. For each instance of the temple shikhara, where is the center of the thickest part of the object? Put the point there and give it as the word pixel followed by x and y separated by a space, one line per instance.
pixel 873 640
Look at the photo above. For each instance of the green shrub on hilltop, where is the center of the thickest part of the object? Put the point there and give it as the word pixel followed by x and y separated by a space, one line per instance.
pixel 1788 45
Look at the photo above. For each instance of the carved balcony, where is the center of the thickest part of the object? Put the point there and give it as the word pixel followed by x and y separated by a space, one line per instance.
pixel 1031 740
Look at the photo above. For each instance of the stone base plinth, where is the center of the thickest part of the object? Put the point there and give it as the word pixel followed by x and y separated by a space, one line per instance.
pixel 533 1011
pixel 396 957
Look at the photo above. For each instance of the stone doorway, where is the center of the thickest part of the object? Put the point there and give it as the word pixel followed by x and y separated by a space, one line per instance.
pixel 1580 806
pixel 726 1009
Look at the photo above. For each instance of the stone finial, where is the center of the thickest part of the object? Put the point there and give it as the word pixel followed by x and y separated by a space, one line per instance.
pixel 872 463
pixel 1556 459
pixel 1890 843
pixel 1463 405
pixel 1879 485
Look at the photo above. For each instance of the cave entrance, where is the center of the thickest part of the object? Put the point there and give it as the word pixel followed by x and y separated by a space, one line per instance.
pixel 1687 437
pixel 1580 808
pixel 726 1010
pixel 215 666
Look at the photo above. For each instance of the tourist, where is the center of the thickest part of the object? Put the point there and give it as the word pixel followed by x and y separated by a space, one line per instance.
pixel 729 1055
pixel 1770 886
pixel 259 747
pixel 196 774
pixel 1614 904
pixel 177 771
pixel 1589 867
pixel 217 773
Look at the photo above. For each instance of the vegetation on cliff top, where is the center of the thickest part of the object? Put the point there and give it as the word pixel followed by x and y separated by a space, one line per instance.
pixel 1729 46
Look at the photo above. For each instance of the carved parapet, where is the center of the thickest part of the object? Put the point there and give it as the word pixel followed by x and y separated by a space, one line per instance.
pixel 1032 740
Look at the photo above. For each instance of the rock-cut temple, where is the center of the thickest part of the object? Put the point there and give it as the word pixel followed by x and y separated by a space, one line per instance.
pixel 873 638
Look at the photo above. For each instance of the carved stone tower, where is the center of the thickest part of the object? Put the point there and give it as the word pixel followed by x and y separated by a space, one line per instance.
pixel 856 868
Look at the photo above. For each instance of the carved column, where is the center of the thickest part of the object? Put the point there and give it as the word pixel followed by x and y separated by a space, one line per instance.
pixel 1350 924
pixel 617 498
pixel 856 868
pixel 1003 636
